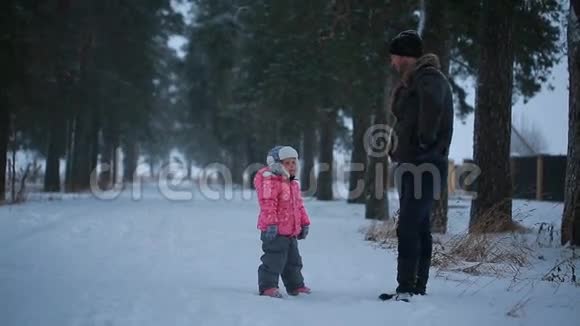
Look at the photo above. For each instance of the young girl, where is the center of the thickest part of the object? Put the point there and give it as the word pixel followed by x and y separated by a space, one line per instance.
pixel 282 221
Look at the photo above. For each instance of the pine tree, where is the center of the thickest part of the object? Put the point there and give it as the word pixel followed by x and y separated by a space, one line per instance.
pixel 571 216
pixel 437 40
pixel 492 208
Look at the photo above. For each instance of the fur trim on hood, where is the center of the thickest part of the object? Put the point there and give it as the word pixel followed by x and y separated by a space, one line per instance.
pixel 427 60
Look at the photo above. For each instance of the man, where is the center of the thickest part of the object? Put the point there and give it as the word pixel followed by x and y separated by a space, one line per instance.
pixel 423 106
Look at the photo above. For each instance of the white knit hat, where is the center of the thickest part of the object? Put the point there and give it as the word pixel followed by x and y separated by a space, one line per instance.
pixel 276 155
pixel 280 153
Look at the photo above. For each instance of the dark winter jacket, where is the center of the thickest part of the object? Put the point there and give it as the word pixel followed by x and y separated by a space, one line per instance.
pixel 423 107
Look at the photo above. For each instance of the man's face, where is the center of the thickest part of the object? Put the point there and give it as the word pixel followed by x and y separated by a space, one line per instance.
pixel 397 62
pixel 290 165
pixel 400 64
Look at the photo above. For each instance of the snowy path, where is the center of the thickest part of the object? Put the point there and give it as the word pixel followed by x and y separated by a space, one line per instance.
pixel 156 262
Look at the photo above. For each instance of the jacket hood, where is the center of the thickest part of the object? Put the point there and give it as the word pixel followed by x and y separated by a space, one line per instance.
pixel 425 61
pixel 428 59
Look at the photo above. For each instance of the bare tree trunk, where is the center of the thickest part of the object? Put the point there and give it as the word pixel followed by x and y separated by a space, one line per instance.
pixel 491 211
pixel 571 216
pixel 4 136
pixel 77 156
pixel 439 213
pixel 57 135
pixel 94 140
pixel 131 155
pixel 81 134
pixel 377 203
pixel 377 177
pixel 437 40
pixel 189 162
pixel 56 142
pixel 307 168
pixel 152 168
pixel 106 175
pixel 13 175
pixel 82 154
pixel 325 174
pixel 237 166
pixel 12 146
pixel 55 145
pixel 361 122
pixel 236 162
pixel 20 195
pixel 115 168
pixel 70 137
pixel 254 157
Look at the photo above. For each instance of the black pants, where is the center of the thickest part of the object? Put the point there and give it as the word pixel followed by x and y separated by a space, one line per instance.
pixel 281 258
pixel 414 229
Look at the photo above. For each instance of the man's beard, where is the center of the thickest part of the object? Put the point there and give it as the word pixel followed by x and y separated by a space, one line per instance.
pixel 405 68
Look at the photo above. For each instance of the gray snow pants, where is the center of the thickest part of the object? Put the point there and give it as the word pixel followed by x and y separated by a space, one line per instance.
pixel 281 258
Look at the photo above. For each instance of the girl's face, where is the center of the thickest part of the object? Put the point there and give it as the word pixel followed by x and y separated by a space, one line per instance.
pixel 290 166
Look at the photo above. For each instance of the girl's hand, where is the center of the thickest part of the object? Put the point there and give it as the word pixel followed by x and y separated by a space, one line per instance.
pixel 271 232
pixel 304 233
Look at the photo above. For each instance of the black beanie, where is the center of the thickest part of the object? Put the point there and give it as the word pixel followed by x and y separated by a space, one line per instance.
pixel 407 44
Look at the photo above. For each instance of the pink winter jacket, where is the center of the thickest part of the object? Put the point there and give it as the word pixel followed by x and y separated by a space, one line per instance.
pixel 280 203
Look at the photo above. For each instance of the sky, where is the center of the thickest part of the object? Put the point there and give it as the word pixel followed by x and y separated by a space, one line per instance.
pixel 178 43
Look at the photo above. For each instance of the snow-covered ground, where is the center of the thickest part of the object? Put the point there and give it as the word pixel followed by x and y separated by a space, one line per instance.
pixel 83 261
